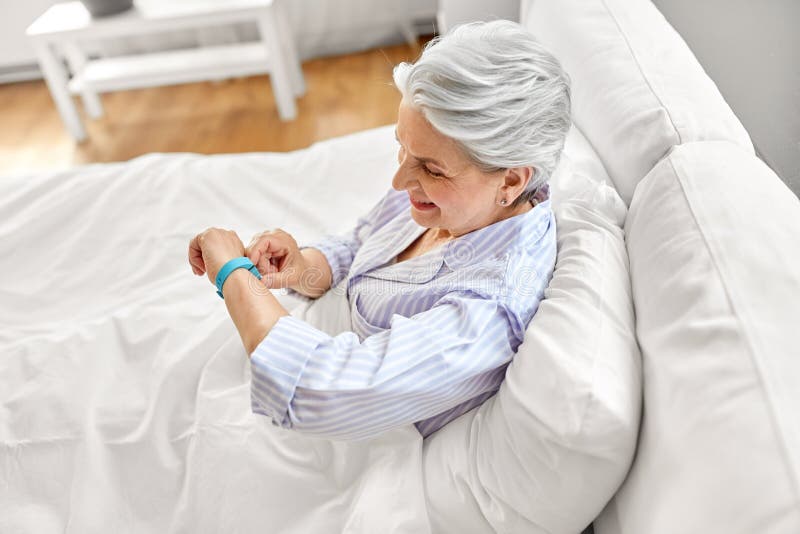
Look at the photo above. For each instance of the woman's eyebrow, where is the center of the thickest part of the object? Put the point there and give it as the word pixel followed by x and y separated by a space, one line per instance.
pixel 421 158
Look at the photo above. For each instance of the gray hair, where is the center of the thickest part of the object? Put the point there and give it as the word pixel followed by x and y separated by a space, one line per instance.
pixel 498 93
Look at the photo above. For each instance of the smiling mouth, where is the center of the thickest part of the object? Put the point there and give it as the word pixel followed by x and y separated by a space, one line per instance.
pixel 421 204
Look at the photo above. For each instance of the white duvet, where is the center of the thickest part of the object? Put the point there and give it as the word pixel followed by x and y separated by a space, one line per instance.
pixel 125 389
pixel 124 386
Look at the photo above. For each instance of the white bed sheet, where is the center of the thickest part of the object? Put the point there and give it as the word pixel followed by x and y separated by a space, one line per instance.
pixel 124 387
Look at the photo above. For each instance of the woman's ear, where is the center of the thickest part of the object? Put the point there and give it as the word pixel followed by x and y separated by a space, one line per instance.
pixel 516 180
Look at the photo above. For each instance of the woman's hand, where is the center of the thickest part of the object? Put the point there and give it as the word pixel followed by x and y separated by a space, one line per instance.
pixel 254 313
pixel 211 249
pixel 277 257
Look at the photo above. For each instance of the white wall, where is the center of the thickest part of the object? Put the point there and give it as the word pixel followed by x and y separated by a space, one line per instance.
pixel 751 49
pixel 15 17
pixel 321 27
pixel 454 12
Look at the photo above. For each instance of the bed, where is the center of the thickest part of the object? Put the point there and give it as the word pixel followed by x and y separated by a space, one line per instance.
pixel 660 369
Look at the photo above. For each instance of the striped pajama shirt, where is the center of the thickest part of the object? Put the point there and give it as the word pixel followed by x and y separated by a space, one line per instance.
pixel 431 336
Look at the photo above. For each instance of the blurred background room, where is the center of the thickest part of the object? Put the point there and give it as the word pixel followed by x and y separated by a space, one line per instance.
pixel 347 49
pixel 192 75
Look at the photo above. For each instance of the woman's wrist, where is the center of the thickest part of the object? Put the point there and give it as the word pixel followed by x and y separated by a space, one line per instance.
pixel 314 277
pixel 252 307
pixel 229 267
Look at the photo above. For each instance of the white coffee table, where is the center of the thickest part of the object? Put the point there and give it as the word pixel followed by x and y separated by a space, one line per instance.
pixel 63 27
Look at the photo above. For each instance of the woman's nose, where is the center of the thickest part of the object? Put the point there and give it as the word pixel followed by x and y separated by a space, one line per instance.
pixel 401 177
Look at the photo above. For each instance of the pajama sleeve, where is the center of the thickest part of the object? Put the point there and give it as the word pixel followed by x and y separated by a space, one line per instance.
pixel 344 388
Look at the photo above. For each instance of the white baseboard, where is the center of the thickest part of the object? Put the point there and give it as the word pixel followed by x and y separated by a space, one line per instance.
pixel 19 73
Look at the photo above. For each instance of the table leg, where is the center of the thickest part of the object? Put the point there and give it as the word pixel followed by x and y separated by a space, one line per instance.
pixel 279 72
pixel 409 33
pixel 289 49
pixel 406 27
pixel 56 77
pixel 77 60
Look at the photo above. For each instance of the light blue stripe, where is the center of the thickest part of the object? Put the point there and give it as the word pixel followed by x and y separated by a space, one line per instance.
pixel 345 405
pixel 424 403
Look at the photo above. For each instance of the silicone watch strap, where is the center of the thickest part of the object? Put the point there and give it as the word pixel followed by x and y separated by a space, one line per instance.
pixel 232 265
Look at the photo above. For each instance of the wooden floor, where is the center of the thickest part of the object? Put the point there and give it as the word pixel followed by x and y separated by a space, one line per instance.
pixel 345 94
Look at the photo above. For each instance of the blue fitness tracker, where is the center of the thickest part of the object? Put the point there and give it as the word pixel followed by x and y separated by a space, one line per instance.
pixel 231 266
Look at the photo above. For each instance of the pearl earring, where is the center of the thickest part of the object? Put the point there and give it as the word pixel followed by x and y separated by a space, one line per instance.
pixel 503 202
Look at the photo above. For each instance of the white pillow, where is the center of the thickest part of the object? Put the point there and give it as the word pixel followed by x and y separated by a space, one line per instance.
pixel 714 243
pixel 637 89
pixel 550 449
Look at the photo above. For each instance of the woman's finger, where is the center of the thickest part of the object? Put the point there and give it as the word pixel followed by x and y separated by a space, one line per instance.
pixel 196 256
pixel 266 247
pixel 254 252
pixel 269 252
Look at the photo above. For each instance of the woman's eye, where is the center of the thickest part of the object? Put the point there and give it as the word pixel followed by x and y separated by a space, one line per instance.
pixel 433 173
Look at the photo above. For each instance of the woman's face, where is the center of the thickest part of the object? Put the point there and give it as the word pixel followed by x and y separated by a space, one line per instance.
pixel 446 190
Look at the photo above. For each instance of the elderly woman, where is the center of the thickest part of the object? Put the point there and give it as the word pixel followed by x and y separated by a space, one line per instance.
pixel 442 276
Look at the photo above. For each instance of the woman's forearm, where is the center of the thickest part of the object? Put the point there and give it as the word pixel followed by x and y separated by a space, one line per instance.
pixel 253 308
pixel 317 277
